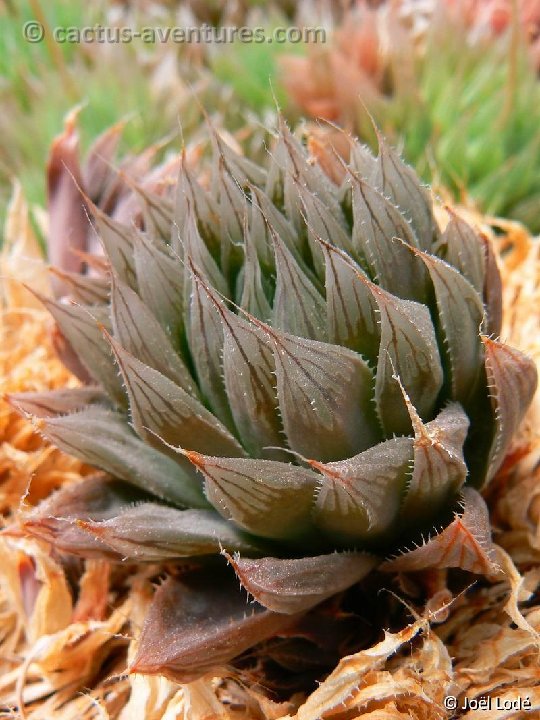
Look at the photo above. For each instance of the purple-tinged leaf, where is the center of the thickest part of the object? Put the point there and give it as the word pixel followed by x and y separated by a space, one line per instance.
pixel 200 622
pixel 163 411
pixel 206 344
pixel 56 402
pixel 68 223
pixel 249 374
pixel 268 498
pixel 351 306
pixel 439 469
pixel 492 291
pixel 102 438
pixel 157 212
pixel 81 328
pixel 299 308
pixel 462 246
pixel 293 586
pixel 460 314
pixel 325 395
pixel 512 379
pixel 83 289
pixel 322 225
pixel 409 349
pixel 140 333
pixel 160 278
pixel 400 183
pixel 149 532
pixel 264 217
pixel 465 543
pixel 253 298
pixel 95 499
pixel 377 231
pixel 193 202
pixel 118 241
pixel 97 171
pixel 360 498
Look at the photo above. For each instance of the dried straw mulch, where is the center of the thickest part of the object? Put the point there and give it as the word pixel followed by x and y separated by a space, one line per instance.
pixel 63 658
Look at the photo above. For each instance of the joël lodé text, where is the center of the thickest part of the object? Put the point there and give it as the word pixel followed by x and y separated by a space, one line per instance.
pixel 497 703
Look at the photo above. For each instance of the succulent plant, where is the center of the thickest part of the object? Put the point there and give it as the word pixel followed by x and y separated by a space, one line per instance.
pixel 293 365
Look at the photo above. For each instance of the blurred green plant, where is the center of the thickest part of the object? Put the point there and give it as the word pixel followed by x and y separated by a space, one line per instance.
pixel 466 113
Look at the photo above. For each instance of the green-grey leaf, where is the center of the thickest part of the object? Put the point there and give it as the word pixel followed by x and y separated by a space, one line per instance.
pixel 408 348
pixel 325 397
pixel 299 308
pixel 377 225
pixel 461 246
pixel 400 183
pixel 206 345
pixel 359 498
pixel 161 408
pixel 160 279
pixel 102 438
pixel 351 307
pixel 137 330
pixel 439 468
pixel 460 313
pixel 268 498
pixel 56 402
pixel 80 327
pixel 151 532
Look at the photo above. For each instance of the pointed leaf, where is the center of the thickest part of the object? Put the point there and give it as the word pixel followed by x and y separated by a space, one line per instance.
pixel 322 224
pixel 194 203
pixel 268 498
pixel 161 410
pixel 83 289
pixel 118 241
pixel 400 183
pixel 462 247
pixel 249 373
pixel 292 586
pixel 439 469
pixel 351 306
pixel 253 298
pixel 299 308
pixel 140 333
pixel 102 438
pixel 298 170
pixel 359 498
pixel 81 329
pixel 492 291
pixel 206 345
pixel 465 543
pixel 232 213
pixel 460 313
pixel 377 225
pixel 157 212
pixel 199 622
pixel 94 499
pixel 265 215
pixel 512 380
pixel 408 348
pixel 150 532
pixel 56 402
pixel 325 397
pixel 161 287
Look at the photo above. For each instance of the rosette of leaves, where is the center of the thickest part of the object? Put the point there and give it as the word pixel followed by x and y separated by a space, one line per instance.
pixel 292 365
